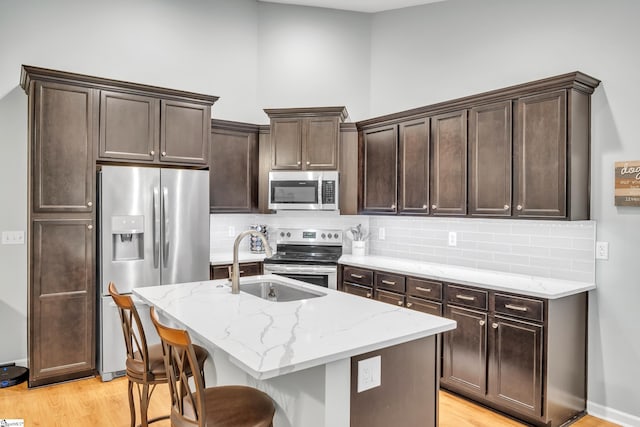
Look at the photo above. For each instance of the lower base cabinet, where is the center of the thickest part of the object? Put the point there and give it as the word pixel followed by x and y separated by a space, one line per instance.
pixel 224 271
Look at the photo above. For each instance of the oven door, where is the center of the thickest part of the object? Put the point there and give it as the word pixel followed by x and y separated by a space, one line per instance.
pixel 320 275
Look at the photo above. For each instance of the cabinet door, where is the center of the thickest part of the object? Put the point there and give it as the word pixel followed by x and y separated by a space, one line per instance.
pixel 425 306
pixel 128 127
pixel 449 163
pixel 515 365
pixel 286 144
pixel 413 193
pixel 540 156
pixel 490 160
pixel 65 119
pixel 62 301
pixel 233 171
pixel 380 169
pixel 320 143
pixel 464 351
pixel 185 132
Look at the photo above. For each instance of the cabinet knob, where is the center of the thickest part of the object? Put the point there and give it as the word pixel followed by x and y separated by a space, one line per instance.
pixel 89 204
pixel 393 206
pixel 424 206
pixel 519 207
pixel 409 304
pixel 308 163
pixel 90 227
pixel 299 162
pixel 400 303
pixel 506 207
pixel 434 206
pixel 153 153
pixel 494 325
pixel 368 294
pixel 481 322
pixel 164 153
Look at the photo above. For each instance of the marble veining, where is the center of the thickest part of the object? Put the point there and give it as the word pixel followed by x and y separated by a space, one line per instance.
pixel 267 339
pixel 534 286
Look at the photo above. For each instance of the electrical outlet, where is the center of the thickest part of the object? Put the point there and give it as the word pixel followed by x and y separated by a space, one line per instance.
pixel 232 231
pixel 602 250
pixel 381 233
pixel 13 237
pixel 453 238
pixel 369 373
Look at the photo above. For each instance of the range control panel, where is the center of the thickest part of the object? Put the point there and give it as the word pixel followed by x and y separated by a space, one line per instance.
pixel 309 236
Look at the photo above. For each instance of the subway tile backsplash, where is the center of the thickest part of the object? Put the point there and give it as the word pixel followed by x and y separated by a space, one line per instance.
pixel 555 249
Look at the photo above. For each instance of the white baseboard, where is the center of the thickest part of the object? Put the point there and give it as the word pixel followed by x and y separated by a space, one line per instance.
pixel 612 415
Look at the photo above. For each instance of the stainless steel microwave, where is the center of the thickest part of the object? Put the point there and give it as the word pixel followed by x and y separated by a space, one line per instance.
pixel 303 190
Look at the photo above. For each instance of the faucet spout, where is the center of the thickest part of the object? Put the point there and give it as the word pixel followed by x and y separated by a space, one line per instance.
pixel 235 270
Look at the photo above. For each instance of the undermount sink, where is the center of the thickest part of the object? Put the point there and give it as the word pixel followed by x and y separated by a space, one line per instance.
pixel 273 290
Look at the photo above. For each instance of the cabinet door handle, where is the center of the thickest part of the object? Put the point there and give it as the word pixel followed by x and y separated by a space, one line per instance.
pixel 389 282
pixel 89 204
pixel 519 207
pixel 152 153
pixel 465 297
pixel 494 325
pixel 481 322
pixel 393 206
pixel 368 294
pixel 400 303
pixel 164 153
pixel 357 276
pixel 420 288
pixel 516 307
pixel 434 206
pixel 90 227
pixel 506 207
pixel 424 206
pixel 409 304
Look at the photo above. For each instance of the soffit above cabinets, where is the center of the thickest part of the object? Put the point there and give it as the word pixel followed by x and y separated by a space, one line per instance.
pixel 367 6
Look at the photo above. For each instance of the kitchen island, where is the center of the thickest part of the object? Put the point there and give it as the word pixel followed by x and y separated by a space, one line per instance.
pixel 318 358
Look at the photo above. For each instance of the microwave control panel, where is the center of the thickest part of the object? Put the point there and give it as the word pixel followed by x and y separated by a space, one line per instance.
pixel 328 192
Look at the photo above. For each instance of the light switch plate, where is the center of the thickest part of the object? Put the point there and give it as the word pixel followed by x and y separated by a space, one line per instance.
pixel 13 237
pixel 602 250
pixel 369 373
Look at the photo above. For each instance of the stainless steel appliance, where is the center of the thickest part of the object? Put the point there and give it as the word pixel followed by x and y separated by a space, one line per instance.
pixel 298 190
pixel 153 230
pixel 308 255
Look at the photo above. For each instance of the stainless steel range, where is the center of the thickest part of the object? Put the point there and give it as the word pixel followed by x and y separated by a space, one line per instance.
pixel 308 255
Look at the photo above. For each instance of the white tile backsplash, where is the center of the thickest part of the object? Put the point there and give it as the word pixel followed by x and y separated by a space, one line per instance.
pixel 555 249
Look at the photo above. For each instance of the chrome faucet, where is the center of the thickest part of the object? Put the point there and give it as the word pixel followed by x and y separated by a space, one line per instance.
pixel 235 270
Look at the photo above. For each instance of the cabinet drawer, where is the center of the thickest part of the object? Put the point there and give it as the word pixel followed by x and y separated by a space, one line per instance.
pixel 390 297
pixel 362 291
pixel 468 297
pixel 516 306
pixel 425 306
pixel 358 275
pixel 391 282
pixel 424 288
pixel 246 269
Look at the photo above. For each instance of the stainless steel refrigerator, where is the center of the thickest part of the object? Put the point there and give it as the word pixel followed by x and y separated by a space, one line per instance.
pixel 154 230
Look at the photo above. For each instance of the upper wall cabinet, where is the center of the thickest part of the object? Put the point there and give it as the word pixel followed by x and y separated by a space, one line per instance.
pixel 518 152
pixel 305 138
pixel 379 154
pixel 144 128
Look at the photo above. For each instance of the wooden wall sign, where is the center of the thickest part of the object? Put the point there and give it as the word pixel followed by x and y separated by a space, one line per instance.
pixel 627 191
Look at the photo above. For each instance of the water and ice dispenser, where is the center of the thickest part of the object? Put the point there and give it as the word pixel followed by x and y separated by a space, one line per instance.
pixel 127 232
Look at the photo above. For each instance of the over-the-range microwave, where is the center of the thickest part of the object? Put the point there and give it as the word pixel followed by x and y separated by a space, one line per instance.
pixel 303 190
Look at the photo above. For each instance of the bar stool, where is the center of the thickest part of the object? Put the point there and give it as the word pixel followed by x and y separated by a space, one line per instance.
pixel 145 363
pixel 195 405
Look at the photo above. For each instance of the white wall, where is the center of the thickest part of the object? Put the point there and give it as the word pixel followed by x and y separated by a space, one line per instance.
pixel 442 51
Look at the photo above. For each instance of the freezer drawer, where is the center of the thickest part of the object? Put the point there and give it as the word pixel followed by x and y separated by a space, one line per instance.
pixel 112 352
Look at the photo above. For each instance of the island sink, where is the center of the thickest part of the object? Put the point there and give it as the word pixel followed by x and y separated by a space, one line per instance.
pixel 273 290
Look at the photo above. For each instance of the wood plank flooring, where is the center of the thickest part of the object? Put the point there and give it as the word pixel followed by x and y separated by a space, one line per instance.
pixel 90 402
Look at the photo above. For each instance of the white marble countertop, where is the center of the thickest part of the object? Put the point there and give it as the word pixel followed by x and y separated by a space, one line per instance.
pixel 267 339
pixel 221 258
pixel 508 282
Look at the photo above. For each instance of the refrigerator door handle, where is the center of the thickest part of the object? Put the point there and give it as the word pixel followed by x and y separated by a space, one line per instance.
pixel 156 232
pixel 165 227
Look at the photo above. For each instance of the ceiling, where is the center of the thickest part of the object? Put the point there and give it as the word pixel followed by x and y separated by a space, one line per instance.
pixel 368 6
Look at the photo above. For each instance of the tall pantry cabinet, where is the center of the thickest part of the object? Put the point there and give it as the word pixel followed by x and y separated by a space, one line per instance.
pixel 75 123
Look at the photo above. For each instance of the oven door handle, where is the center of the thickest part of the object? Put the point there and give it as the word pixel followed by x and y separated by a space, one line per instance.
pixel 271 268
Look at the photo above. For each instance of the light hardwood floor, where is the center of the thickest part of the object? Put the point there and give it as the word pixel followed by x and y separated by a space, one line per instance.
pixel 91 402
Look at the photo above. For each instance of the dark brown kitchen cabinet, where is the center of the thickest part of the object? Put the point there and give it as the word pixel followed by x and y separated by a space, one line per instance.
pixel 449 163
pixel 233 167
pixel 147 129
pixel 379 157
pixel 490 160
pixel 305 138
pixel 413 184
pixel 61 300
pixel 246 269
pixel 63 125
pixel 424 295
